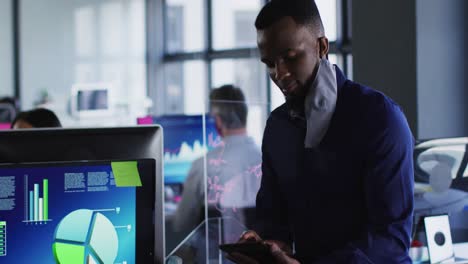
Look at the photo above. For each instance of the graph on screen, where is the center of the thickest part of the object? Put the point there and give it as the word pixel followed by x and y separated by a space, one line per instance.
pixel 36 201
pixel 3 238
pixel 85 236
pixel 186 138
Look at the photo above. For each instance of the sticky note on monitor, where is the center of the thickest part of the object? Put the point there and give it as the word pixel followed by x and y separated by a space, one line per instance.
pixel 126 174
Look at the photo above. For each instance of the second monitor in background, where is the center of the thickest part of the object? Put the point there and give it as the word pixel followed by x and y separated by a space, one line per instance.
pixel 183 143
pixel 90 100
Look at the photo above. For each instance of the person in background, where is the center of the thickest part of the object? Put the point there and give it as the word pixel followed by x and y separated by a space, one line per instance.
pixel 36 118
pixel 337 183
pixel 8 109
pixel 232 186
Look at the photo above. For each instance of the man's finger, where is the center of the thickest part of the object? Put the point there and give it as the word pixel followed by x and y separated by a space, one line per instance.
pixel 279 254
pixel 281 245
pixel 249 236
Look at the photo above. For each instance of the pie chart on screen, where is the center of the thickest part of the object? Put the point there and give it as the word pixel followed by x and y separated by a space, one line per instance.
pixel 85 237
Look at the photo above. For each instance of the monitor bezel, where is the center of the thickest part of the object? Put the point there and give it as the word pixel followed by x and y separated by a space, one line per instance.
pixel 106 143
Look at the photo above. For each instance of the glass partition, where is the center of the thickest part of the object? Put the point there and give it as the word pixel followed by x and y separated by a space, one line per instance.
pixel 196 248
pixel 184 149
pixel 233 166
pixel 217 198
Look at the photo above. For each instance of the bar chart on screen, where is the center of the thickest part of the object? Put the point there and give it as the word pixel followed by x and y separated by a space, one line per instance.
pixel 36 201
pixel 3 234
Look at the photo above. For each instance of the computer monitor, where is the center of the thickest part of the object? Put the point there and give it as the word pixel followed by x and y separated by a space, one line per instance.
pixel 91 100
pixel 83 212
pixel 183 142
pixel 71 144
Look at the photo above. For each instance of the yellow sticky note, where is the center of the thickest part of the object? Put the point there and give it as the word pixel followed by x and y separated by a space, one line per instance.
pixel 126 174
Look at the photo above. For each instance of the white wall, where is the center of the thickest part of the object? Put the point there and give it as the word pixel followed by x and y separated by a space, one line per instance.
pixel 384 50
pixel 415 51
pixel 67 42
pixel 6 48
pixel 43 57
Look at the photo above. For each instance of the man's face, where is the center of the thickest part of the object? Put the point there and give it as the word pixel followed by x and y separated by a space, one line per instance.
pixel 291 53
pixel 21 124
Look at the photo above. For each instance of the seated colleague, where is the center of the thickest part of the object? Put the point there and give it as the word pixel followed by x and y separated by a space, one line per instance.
pixel 228 165
pixel 8 109
pixel 36 118
pixel 337 156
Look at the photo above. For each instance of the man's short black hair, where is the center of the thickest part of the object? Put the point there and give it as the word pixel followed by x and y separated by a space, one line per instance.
pixel 304 12
pixel 228 102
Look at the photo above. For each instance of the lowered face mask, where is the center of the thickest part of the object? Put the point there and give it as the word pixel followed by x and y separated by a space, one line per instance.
pixel 320 103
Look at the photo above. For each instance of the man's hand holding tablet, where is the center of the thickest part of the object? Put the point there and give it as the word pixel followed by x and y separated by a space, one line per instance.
pixel 251 249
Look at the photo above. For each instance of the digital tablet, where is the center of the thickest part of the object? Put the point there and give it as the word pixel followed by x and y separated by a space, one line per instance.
pixel 256 250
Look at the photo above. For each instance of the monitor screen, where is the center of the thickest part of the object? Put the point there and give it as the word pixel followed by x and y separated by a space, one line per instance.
pixel 183 143
pixel 88 212
pixel 93 99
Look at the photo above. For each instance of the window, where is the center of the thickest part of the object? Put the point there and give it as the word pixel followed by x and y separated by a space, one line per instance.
pixel 184 26
pixel 225 54
pixel 184 82
pixel 248 74
pixel 175 27
pixel 328 13
pixel 221 33
pixel 233 23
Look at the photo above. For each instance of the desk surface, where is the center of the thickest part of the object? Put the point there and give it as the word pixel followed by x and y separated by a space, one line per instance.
pixel 461 251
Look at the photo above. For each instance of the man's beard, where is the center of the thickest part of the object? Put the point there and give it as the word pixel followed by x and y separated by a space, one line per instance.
pixel 296 101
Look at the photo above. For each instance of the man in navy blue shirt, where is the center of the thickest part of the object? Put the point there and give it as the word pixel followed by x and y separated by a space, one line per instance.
pixel 337 182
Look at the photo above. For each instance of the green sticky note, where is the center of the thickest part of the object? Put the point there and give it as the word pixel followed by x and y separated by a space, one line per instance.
pixel 126 174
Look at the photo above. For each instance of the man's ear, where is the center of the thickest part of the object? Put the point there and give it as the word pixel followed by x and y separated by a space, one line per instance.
pixel 324 46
